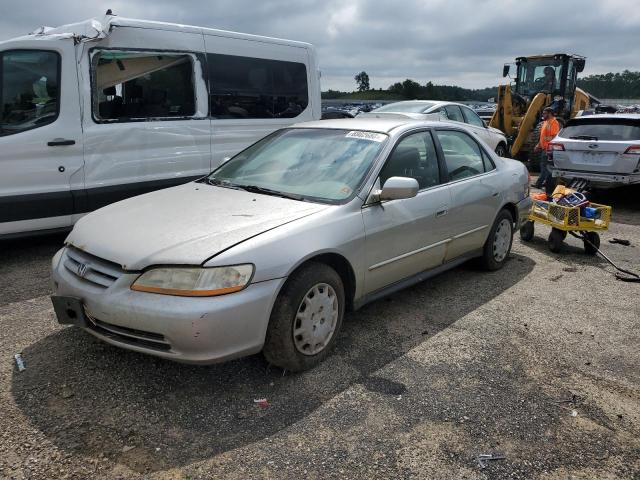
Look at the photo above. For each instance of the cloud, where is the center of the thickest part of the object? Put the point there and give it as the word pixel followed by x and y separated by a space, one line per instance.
pixel 462 42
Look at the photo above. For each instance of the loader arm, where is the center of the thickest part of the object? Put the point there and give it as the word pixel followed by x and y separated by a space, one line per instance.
pixel 502 117
pixel 528 121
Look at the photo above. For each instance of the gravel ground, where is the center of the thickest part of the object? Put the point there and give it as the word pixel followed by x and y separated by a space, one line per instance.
pixel 539 362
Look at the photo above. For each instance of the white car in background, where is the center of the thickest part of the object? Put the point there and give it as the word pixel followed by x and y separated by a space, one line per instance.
pixel 604 150
pixel 454 112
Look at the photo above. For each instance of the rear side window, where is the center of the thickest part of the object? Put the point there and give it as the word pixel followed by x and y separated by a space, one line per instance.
pixel 462 154
pixel 611 129
pixel 246 87
pixel 29 89
pixel 129 86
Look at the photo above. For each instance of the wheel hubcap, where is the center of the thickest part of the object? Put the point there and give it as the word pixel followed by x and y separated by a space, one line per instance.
pixel 502 240
pixel 316 319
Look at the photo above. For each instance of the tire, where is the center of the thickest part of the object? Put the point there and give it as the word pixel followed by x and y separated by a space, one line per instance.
pixel 283 347
pixel 527 231
pixel 594 238
pixel 556 239
pixel 498 245
pixel 501 150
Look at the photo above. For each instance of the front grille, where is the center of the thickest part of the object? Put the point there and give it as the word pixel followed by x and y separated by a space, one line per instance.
pixel 130 336
pixel 90 268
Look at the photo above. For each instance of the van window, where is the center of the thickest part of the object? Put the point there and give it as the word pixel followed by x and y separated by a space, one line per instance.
pixel 29 89
pixel 129 86
pixel 245 87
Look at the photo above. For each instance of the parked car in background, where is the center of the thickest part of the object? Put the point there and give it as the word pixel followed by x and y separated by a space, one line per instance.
pixel 454 112
pixel 105 109
pixel 268 251
pixel 602 149
pixel 334 114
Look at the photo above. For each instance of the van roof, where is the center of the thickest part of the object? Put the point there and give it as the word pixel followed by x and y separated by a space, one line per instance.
pixel 101 27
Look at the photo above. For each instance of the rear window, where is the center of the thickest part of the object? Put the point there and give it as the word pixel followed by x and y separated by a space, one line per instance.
pixel 613 129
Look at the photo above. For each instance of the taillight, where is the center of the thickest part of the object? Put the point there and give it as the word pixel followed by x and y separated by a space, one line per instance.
pixel 555 147
pixel 633 150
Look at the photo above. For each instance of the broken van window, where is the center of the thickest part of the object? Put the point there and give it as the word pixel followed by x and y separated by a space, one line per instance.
pixel 135 85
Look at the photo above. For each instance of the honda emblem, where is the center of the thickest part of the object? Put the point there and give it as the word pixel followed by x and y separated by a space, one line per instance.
pixel 82 270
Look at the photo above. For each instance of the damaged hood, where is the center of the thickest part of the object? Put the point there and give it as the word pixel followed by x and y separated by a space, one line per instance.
pixel 182 225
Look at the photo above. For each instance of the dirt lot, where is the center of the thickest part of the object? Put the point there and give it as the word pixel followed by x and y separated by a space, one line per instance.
pixel 539 362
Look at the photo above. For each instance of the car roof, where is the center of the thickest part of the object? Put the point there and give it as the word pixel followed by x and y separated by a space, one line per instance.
pixel 627 116
pixel 381 125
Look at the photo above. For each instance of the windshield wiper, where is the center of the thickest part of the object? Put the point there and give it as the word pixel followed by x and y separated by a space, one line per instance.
pixel 268 191
pixel 584 137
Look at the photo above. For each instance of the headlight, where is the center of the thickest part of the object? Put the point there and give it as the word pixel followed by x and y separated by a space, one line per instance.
pixel 194 281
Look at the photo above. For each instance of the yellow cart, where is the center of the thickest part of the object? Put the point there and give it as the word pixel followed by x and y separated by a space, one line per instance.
pixel 563 220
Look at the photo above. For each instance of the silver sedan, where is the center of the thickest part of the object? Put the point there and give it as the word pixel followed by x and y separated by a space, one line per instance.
pixel 269 251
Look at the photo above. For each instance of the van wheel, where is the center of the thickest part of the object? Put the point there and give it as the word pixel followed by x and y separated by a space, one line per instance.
pixel 306 318
pixel 498 245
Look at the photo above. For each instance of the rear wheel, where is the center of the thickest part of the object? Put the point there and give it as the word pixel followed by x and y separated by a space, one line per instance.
pixel 306 318
pixel 498 245
pixel 594 239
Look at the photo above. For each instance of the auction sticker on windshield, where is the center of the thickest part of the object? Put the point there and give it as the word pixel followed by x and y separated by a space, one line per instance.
pixel 375 137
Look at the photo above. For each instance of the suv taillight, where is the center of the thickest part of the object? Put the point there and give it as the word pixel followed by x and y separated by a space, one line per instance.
pixel 555 147
pixel 633 150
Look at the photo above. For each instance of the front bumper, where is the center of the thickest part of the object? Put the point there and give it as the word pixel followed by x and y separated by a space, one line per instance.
pixel 193 330
pixel 601 179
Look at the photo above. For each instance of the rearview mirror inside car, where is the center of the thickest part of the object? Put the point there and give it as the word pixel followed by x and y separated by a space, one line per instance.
pixel 396 188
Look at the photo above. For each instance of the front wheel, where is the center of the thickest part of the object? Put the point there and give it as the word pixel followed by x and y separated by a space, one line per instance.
pixel 498 245
pixel 306 318
pixel 501 150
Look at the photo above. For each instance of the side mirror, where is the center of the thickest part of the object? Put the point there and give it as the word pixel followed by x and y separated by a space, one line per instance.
pixel 505 69
pixel 579 63
pixel 397 188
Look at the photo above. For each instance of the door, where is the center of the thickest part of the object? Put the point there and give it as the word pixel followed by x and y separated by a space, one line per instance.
pixel 146 122
pixel 475 190
pixel 406 237
pixel 477 125
pixel 40 136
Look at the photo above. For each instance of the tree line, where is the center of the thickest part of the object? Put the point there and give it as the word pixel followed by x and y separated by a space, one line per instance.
pixel 609 85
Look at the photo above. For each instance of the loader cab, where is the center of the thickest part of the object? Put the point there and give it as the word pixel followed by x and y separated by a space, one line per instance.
pixel 554 75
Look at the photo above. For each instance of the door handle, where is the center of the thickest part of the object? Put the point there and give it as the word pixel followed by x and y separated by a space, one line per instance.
pixel 59 142
pixel 441 213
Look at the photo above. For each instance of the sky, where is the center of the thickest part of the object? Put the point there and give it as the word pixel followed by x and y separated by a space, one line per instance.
pixel 454 42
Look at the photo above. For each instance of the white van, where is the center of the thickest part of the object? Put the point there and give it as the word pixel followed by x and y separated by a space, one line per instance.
pixel 98 111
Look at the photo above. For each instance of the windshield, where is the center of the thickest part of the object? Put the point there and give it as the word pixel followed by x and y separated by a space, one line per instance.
pixel 608 129
pixel 407 107
pixel 543 75
pixel 29 90
pixel 316 164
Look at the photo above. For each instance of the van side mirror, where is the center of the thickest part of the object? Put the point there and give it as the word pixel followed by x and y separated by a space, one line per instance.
pixel 397 188
pixel 505 69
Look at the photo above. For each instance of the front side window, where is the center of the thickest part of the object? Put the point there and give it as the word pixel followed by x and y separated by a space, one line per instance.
pixel 472 118
pixel 462 154
pixel 246 87
pixel 29 89
pixel 414 157
pixel 323 165
pixel 129 86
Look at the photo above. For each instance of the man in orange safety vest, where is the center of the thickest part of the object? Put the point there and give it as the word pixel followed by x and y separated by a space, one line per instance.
pixel 550 128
